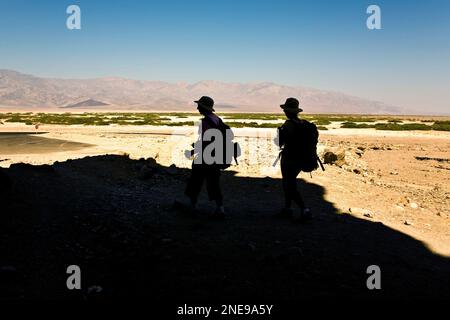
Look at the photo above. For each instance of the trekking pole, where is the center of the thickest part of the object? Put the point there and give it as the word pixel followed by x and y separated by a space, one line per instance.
pixel 321 164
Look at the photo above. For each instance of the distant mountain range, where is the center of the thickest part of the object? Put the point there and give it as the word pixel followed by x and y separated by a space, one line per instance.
pixel 27 91
pixel 87 103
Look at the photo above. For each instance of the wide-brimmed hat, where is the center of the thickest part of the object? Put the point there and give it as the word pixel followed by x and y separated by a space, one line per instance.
pixel 206 103
pixel 291 104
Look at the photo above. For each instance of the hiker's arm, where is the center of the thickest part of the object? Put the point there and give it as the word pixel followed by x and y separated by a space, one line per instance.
pixel 197 145
pixel 280 139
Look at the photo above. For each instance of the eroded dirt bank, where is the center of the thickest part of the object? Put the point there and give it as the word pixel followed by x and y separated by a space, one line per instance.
pixel 114 219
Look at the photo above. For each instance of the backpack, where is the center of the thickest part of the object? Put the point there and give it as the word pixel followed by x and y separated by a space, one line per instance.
pixel 302 145
pixel 227 140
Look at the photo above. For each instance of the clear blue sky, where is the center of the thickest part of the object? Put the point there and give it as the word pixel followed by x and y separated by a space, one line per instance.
pixel 322 44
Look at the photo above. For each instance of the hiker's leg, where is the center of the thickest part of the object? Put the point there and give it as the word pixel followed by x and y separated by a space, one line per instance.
pixel 290 172
pixel 195 182
pixel 213 186
pixel 287 183
pixel 291 192
pixel 299 199
pixel 296 195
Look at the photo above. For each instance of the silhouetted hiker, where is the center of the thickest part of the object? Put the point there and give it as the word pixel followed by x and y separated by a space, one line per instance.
pixel 298 140
pixel 201 170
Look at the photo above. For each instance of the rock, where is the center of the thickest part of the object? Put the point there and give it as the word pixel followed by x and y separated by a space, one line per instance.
pixel 413 205
pixel 357 171
pixel 364 212
pixel 172 170
pixel 38 169
pixel 336 157
pixel 145 173
pixel 408 223
pixel 151 163
pixel 166 240
pixel 394 173
pixel 359 153
pixel 252 246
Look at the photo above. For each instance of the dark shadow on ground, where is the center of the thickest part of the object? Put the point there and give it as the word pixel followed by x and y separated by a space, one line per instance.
pixel 112 216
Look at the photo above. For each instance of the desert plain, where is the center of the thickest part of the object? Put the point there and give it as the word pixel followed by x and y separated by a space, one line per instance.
pixel 399 180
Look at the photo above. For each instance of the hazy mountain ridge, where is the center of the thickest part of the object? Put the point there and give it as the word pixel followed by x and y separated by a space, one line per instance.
pixel 87 103
pixel 21 90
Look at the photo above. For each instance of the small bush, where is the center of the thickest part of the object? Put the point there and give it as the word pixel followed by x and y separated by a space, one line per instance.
pixel 441 126
pixel 322 122
pixel 402 127
pixel 352 125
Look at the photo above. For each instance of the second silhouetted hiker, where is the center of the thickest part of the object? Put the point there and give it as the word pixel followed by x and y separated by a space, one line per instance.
pixel 298 140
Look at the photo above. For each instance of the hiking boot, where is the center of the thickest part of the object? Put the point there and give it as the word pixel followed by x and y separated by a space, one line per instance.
pixel 218 214
pixel 285 213
pixel 305 216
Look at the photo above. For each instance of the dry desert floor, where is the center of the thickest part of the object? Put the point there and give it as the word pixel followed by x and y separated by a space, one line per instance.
pixel 401 179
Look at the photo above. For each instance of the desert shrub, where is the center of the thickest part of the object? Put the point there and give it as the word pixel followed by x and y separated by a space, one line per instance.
pixel 124 118
pixel 441 126
pixel 352 125
pixel 341 118
pixel 402 127
pixel 179 124
pixel 181 114
pixel 252 116
pixel 17 118
pixel 322 122
pixel 395 121
pixel 267 125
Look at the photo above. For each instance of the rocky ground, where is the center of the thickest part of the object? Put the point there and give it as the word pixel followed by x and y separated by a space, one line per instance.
pixel 383 200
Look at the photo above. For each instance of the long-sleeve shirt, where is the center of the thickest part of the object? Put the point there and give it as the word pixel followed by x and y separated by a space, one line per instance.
pixel 205 125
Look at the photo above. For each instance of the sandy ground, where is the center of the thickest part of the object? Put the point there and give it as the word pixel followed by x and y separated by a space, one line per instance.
pixel 382 179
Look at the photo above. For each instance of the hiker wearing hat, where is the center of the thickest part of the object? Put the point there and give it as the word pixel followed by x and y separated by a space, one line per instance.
pixel 202 171
pixel 291 139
